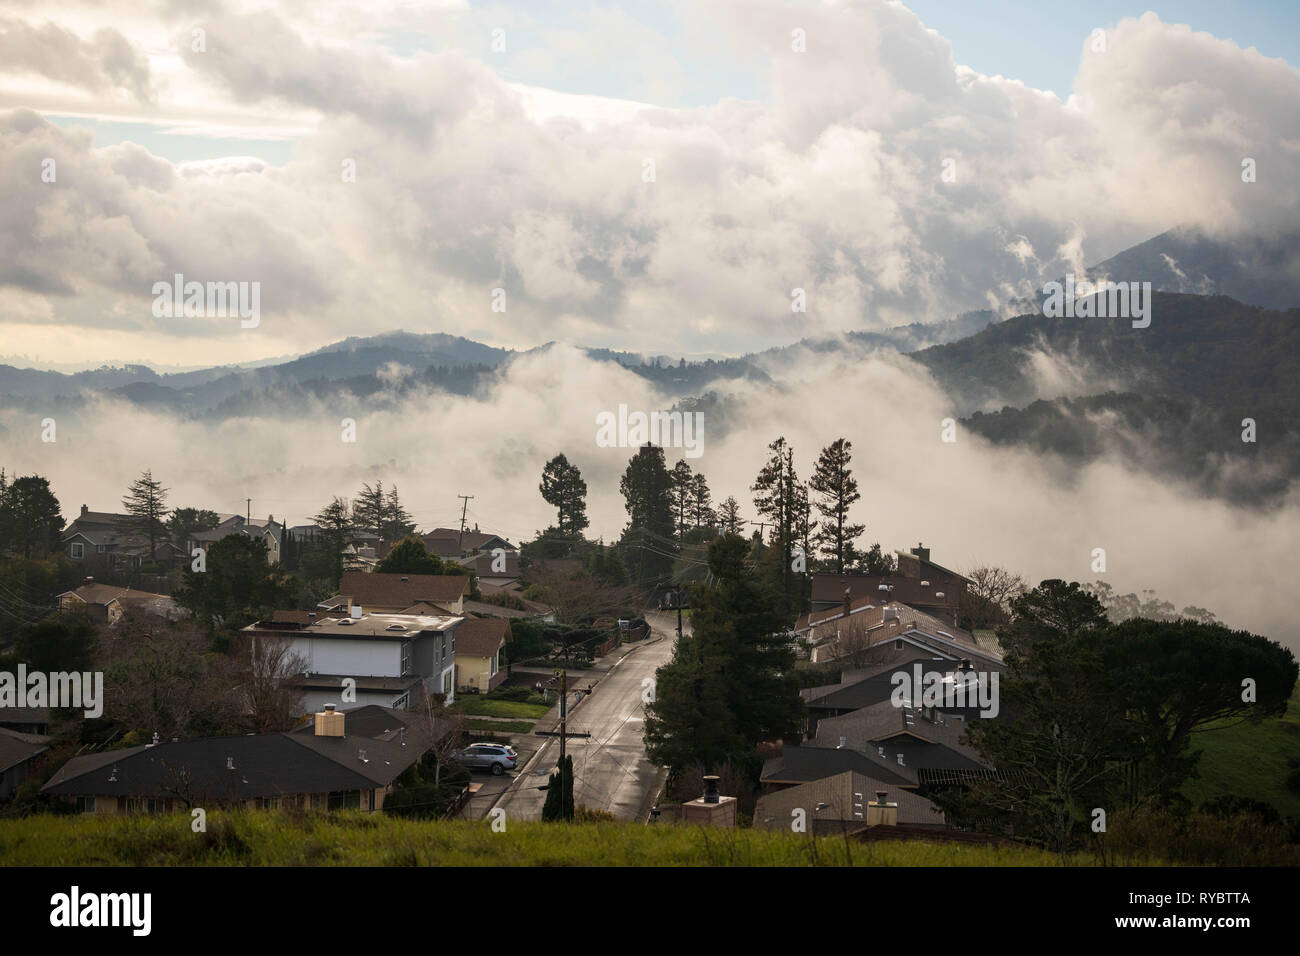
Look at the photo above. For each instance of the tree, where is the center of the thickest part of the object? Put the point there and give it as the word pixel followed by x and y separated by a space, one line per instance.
pixel 986 601
pixel 562 487
pixel 368 509
pixel 875 561
pixel 146 508
pixel 559 793
pixel 395 522
pixel 335 530
pixel 648 541
pixel 683 494
pixel 61 642
pixel 837 491
pixel 30 518
pixel 1053 611
pixel 778 495
pixel 701 508
pixel 729 519
pixel 237 585
pixel 730 684
pixel 186 521
pixel 272 703
pixel 410 556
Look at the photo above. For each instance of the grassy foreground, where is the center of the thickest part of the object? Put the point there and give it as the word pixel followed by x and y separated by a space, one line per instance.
pixel 356 839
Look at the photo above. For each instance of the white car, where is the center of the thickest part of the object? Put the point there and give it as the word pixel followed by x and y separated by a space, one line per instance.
pixel 495 757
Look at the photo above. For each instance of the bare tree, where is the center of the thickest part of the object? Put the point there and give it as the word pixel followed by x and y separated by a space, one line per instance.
pixel 270 698
pixel 440 727
pixel 986 602
pixel 851 642
pixel 578 596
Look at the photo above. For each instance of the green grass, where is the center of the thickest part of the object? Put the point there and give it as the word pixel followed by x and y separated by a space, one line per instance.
pixel 1250 760
pixel 501 726
pixel 478 706
pixel 357 839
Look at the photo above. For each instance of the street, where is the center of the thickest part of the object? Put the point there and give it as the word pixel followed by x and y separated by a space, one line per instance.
pixel 610 768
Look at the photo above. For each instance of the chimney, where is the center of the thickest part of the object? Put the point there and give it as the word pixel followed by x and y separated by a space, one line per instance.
pixel 87 582
pixel 848 595
pixel 710 788
pixel 84 511
pixel 329 722
pixel 921 552
pixel 880 812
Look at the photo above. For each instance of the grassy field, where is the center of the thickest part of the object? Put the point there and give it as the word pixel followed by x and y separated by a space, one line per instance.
pixel 356 839
pixel 474 706
pixel 1250 760
pixel 501 726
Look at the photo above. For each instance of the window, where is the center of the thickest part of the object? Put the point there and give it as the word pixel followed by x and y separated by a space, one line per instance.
pixel 406 657
pixel 402 703
pixel 345 800
pixel 85 804
pixel 77 549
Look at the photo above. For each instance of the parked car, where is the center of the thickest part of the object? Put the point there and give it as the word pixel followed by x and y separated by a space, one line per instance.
pixel 495 757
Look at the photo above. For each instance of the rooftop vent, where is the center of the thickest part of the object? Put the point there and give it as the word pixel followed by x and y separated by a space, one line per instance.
pixel 357 612
pixel 230 763
pixel 395 627
pixel 711 788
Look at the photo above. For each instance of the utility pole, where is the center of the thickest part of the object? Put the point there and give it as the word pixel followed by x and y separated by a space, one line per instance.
pixel 460 542
pixel 762 525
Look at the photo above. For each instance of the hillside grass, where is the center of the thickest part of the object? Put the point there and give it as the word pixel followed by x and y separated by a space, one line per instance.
pixel 358 839
pixel 1250 760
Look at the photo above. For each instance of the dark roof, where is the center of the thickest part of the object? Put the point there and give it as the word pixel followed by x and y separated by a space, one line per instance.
pixel 469 540
pixel 16 748
pixel 802 764
pixel 480 636
pixel 846 796
pixel 865 688
pixel 483 564
pixel 293 617
pixel 829 588
pixel 265 765
pixel 401 590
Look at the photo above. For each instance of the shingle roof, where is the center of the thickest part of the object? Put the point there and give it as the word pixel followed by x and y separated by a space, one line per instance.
pixel 845 795
pixel 480 636
pixel 15 748
pixel 802 764
pixel 902 730
pixel 401 590
pixel 265 765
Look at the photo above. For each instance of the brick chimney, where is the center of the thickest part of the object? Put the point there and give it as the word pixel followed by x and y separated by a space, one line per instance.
pixel 329 722
pixel 921 552
pixel 84 511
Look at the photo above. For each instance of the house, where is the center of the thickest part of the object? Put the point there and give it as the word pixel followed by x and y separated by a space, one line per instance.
pixel 798 765
pixel 921 737
pixel 105 541
pixel 392 593
pixel 451 543
pixel 479 643
pixel 106 603
pixel 340 760
pixel 267 530
pixel 840 803
pixel 920 583
pixel 18 751
pixel 860 631
pixel 392 659
pixel 26 720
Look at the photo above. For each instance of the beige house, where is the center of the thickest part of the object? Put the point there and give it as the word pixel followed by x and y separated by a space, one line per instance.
pixel 479 643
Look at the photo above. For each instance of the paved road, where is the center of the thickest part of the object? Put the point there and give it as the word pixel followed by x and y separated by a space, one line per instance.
pixel 610 768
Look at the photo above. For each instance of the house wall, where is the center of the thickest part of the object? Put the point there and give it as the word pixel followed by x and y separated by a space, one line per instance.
pixel 351 657
pixel 315 700
pixel 481 672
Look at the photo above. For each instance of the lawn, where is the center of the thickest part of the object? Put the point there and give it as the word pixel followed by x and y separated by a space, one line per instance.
pixel 1250 760
pixel 477 706
pixel 272 838
pixel 501 726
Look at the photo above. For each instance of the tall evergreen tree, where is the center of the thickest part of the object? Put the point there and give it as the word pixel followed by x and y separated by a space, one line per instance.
pixel 562 487
pixel 30 518
pixel 730 684
pixel 183 522
pixel 335 529
pixel 559 793
pixel 778 495
pixel 683 495
pixel 729 518
pixel 146 506
pixel 836 490
pixel 702 513
pixel 647 489
pixel 395 522
pixel 368 509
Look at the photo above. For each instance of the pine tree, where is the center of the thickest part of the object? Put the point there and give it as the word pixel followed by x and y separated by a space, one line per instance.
pixel 729 519
pixel 778 495
pixel 559 793
pixel 395 522
pixel 146 507
pixel 837 490
pixel 563 488
pixel 702 513
pixel 683 494
pixel 647 541
pixel 336 529
pixel 30 518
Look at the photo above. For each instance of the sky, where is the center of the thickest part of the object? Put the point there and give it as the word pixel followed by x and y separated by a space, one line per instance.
pixel 656 177
pixel 662 178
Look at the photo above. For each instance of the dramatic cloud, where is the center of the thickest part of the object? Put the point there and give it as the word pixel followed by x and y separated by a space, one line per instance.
pixel 887 182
